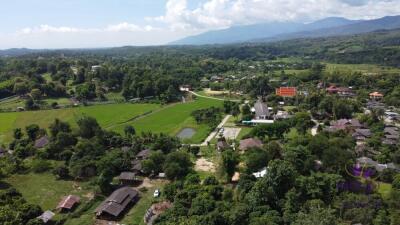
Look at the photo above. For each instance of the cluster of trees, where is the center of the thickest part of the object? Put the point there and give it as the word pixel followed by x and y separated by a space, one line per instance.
pixel 301 186
pixel 301 121
pixel 91 151
pixel 14 210
pixel 211 116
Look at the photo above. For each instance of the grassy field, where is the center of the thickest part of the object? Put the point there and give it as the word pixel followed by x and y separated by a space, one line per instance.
pixel 172 119
pixel 11 104
pixel 44 190
pixel 363 68
pixel 168 119
pixel 135 215
pixel 220 94
pixel 384 189
pixel 106 115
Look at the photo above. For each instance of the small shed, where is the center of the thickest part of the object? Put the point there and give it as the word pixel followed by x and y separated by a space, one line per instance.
pixel 222 145
pixel 136 166
pixel 42 142
pixel 144 154
pixel 250 143
pixel 46 216
pixel 127 177
pixel 68 203
pixel 3 152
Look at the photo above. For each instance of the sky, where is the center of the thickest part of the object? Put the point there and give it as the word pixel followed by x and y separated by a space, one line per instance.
pixel 110 23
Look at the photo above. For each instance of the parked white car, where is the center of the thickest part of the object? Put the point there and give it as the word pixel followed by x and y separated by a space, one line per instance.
pixel 156 193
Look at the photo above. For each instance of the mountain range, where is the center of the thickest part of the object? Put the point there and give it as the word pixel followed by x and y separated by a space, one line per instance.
pixel 277 31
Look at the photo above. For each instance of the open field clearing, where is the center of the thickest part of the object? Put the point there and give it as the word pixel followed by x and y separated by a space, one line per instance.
pixel 363 68
pixel 223 95
pixel 106 115
pixel 45 191
pixel 171 120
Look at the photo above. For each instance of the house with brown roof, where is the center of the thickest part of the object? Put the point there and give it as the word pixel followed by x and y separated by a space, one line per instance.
pixel 144 154
pixel 42 142
pixel 341 91
pixel 136 166
pixel 68 203
pixel 250 143
pixel 362 134
pixel 222 145
pixel 376 96
pixel 344 124
pixel 127 178
pixel 120 200
pixel 392 136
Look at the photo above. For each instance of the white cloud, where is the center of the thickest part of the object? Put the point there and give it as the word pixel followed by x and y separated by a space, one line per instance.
pixel 215 14
pixel 180 20
pixel 47 36
pixel 121 27
pixel 48 29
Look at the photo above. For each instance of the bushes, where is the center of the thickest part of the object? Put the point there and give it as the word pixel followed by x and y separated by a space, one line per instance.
pixel 40 165
pixel 211 116
pixel 61 172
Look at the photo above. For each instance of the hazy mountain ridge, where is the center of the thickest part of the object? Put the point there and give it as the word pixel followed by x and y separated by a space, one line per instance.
pixel 333 26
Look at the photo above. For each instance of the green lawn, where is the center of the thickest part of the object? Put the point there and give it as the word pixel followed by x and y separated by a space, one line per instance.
pixel 114 96
pixel 245 131
pixel 106 115
pixel 60 101
pixel 384 189
pixel 44 190
pixel 172 119
pixel 11 104
pixel 135 215
pixel 363 68
pixel 222 95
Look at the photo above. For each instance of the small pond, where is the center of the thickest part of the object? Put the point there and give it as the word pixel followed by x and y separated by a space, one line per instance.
pixel 186 133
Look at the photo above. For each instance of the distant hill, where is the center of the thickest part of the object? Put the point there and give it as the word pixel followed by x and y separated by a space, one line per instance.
pixel 360 27
pixel 259 31
pixel 12 52
pixel 334 26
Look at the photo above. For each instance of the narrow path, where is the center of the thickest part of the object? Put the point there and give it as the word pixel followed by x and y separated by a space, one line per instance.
pixel 214 133
pixel 314 129
pixel 219 99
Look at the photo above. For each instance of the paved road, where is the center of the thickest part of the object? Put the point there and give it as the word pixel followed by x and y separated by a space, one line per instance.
pixel 219 99
pixel 214 133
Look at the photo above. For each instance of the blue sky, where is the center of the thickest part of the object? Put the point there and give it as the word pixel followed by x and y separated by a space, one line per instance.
pixel 106 23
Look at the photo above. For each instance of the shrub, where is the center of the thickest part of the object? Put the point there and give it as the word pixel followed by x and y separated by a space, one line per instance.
pixel 40 166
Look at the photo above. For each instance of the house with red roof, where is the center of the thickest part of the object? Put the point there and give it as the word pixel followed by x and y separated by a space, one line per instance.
pixel 286 92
